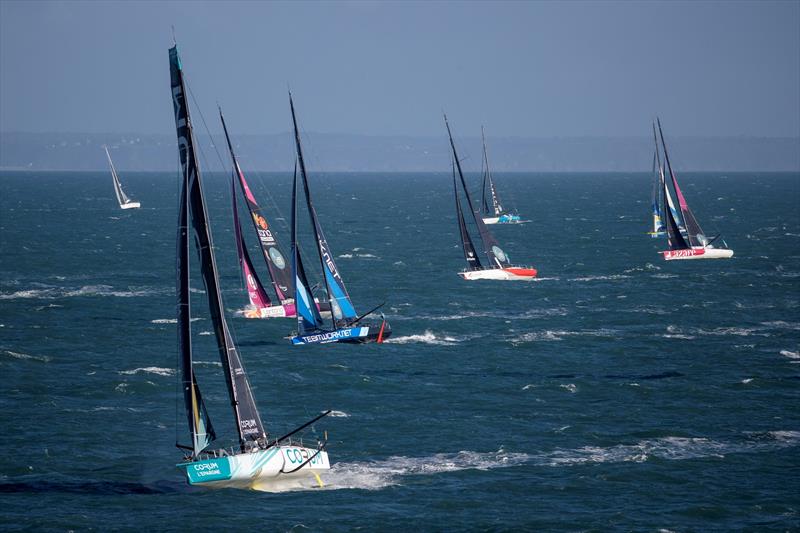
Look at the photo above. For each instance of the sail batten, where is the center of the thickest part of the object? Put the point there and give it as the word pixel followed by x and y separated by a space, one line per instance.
pixel 194 214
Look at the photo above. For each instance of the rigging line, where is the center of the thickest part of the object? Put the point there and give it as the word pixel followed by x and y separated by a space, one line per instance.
pixel 205 125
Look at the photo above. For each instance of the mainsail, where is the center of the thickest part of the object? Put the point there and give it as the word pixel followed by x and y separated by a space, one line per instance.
pixel 193 212
pixel 255 291
pixel 694 232
pixel 496 208
pixel 466 241
pixel 122 198
pixel 342 310
pixel 497 258
pixel 276 263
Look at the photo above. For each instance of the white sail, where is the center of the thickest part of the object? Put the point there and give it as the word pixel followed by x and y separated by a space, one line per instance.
pixel 122 198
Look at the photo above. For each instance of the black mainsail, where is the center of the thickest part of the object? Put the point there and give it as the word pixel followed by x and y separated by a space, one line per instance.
pixel 466 241
pixel 497 258
pixel 279 270
pixel 193 214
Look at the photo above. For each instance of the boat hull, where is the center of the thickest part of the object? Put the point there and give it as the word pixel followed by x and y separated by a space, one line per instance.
pixel 697 253
pixel 288 310
pixel 504 219
pixel 273 470
pixel 130 205
pixel 510 273
pixel 358 335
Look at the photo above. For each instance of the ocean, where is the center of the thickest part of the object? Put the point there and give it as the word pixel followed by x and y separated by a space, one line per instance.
pixel 615 392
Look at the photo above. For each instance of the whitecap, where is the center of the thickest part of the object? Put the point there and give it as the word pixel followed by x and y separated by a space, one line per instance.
pixel 19 355
pixel 426 338
pixel 345 256
pixel 790 354
pixel 571 387
pixel 338 414
pixel 149 370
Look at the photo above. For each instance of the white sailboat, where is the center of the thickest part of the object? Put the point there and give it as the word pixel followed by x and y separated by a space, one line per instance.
pixel 256 461
pixel 122 198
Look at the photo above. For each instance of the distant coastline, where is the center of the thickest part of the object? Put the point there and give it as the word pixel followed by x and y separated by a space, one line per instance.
pixel 363 153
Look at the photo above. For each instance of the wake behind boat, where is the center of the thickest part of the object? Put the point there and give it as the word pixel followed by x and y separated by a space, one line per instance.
pixel 257 461
pixel 122 198
pixel 686 239
pixel 499 267
pixel 346 324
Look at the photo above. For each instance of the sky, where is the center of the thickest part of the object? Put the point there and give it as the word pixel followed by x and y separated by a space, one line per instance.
pixel 524 69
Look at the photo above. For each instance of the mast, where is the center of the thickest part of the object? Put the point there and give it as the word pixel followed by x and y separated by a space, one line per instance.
pixel 279 270
pixel 308 317
pixel 658 180
pixel 341 306
pixel 498 209
pixel 693 230
pixel 248 421
pixel 497 258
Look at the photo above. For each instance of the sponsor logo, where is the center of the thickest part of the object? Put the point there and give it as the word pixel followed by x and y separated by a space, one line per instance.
pixel 684 253
pixel 300 455
pixel 260 221
pixel 277 258
pixel 326 257
pixel 330 336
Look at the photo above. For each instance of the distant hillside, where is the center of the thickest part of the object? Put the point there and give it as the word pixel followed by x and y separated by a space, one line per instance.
pixel 337 152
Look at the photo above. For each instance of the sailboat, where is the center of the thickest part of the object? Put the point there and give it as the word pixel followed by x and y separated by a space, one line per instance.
pixel 279 269
pixel 686 240
pixel 257 461
pixel 493 213
pixel 499 266
pixel 346 324
pixel 122 198
pixel 657 203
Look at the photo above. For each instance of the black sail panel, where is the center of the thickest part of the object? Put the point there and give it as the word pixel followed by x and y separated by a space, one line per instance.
pixel 248 421
pixel 674 237
pixel 279 268
pixel 469 249
pixel 497 258
pixel 200 428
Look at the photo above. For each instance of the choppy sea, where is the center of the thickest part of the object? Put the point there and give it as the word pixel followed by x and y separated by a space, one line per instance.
pixel 616 392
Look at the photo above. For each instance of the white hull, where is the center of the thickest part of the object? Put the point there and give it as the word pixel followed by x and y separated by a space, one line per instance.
pixel 273 470
pixel 500 220
pixel 504 274
pixel 130 205
pixel 697 253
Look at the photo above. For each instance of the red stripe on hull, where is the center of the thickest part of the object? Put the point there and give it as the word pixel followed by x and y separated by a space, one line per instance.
pixel 522 272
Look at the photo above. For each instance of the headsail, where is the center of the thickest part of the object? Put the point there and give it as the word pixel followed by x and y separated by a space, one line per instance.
pixel 279 269
pixel 255 291
pixel 694 232
pixel 342 309
pixel 122 198
pixel 497 258
pixel 466 242
pixel 248 421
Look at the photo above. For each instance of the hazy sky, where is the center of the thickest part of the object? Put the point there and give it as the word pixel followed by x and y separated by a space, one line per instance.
pixel 520 68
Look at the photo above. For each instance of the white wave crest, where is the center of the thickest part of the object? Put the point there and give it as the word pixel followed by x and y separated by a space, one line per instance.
pixel 339 414
pixel 149 370
pixel 426 338
pixel 171 320
pixel 571 387
pixel 558 335
pixel 19 355
pixel 601 278
pixel 790 354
